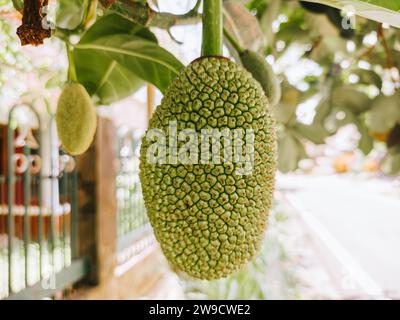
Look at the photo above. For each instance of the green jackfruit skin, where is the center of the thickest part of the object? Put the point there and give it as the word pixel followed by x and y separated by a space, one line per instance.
pixel 209 220
pixel 76 119
pixel 263 73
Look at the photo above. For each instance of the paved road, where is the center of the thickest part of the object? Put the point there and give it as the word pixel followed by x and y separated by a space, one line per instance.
pixel 362 216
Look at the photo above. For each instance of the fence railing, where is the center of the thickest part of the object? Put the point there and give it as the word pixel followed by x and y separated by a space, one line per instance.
pixel 132 220
pixel 38 210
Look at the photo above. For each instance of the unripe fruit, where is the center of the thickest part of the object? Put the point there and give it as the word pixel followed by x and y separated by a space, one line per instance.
pixel 263 73
pixel 76 119
pixel 209 217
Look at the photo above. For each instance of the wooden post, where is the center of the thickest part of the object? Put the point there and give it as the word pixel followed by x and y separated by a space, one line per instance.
pixel 139 275
pixel 97 203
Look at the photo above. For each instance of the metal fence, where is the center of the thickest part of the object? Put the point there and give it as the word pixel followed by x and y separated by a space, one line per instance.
pixel 132 221
pixel 38 209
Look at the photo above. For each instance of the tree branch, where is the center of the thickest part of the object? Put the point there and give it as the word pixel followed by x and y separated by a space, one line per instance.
pixel 381 36
pixel 146 16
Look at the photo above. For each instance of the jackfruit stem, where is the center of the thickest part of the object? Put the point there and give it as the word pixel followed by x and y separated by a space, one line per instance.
pixel 72 77
pixel 233 42
pixel 212 28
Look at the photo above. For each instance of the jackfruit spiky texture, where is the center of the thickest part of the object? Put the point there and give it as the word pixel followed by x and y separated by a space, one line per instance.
pixel 262 71
pixel 76 119
pixel 209 219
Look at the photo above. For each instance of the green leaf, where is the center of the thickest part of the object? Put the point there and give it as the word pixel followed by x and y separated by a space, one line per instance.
pixel 348 97
pixel 384 114
pixel 142 57
pixel 266 17
pixel 369 77
pixel 112 24
pixel 104 77
pixel 322 111
pixel 290 152
pixel 18 5
pixel 385 11
pixel 337 118
pixel 366 142
pixel 285 110
pixel 70 13
pixel 100 73
pixel 315 133
pixel 284 113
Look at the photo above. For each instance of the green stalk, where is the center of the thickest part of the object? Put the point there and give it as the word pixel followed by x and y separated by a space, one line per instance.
pixel 233 42
pixel 212 28
pixel 71 65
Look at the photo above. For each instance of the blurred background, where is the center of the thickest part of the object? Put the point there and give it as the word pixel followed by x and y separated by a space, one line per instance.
pixel 334 230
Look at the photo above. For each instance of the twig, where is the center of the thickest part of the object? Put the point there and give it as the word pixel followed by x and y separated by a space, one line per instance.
pixel 232 41
pixel 389 58
pixel 173 38
pixel 367 52
pixel 146 16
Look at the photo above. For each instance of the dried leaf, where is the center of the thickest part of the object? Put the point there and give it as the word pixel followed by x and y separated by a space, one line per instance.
pixel 31 31
pixel 243 26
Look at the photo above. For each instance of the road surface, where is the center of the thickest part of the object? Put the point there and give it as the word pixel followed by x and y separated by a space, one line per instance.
pixel 359 219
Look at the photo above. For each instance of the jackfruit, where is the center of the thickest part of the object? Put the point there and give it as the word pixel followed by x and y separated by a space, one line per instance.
pixel 262 71
pixel 76 119
pixel 210 218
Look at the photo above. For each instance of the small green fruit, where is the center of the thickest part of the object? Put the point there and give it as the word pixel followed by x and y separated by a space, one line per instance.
pixel 263 73
pixel 76 119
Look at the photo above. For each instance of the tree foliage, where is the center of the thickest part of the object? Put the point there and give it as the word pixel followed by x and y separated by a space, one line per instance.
pixel 340 67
